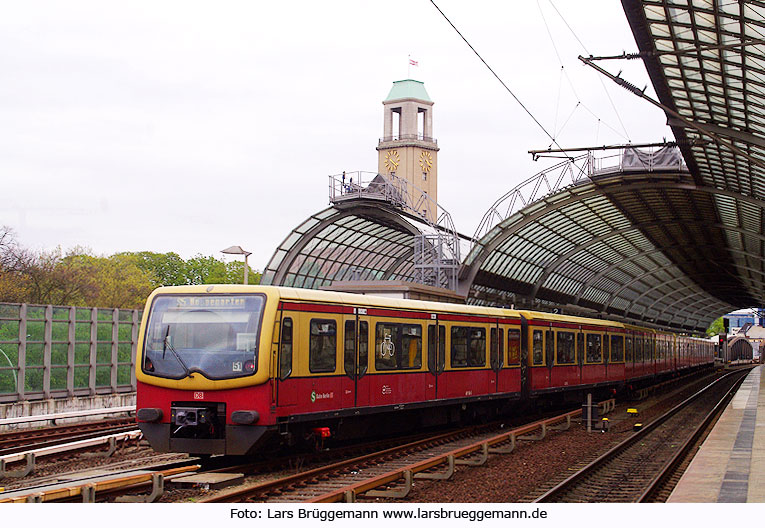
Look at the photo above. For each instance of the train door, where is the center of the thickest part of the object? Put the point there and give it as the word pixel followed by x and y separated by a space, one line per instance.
pixel 525 389
pixel 355 384
pixel 286 394
pixel 539 364
pixel 580 354
pixel 496 355
pixel 550 354
pixel 436 359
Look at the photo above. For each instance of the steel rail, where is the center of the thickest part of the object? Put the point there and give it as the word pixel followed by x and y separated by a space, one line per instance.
pixel 110 485
pixel 576 478
pixel 25 440
pixel 61 416
pixel 670 467
pixel 70 446
pixel 348 492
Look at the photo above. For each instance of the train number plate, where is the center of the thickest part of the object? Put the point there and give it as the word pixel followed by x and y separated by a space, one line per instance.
pixel 199 395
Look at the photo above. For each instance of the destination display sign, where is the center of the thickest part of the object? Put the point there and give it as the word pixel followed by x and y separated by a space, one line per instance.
pixel 210 301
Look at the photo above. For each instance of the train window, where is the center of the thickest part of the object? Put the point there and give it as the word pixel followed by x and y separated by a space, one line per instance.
pixel 497 347
pixel 549 347
pixel 477 355
pixel 363 347
pixel 638 350
pixel 594 352
pixel 468 346
pixel 349 356
pixel 398 346
pixel 412 347
pixel 566 354
pixel 617 348
pixel 513 347
pixel 322 355
pixel 285 350
pixel 432 348
pixel 538 356
pixel 387 346
pixel 628 352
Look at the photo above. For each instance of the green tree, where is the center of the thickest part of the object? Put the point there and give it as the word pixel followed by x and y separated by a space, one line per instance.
pixel 115 282
pixel 168 269
pixel 717 327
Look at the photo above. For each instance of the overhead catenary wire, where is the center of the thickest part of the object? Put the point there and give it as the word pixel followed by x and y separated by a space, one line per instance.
pixel 564 73
pixel 613 105
pixel 504 85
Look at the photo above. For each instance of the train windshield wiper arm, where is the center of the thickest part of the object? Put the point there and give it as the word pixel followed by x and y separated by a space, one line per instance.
pixel 166 344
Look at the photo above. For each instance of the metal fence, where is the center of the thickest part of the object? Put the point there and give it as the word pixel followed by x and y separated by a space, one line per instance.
pixel 63 351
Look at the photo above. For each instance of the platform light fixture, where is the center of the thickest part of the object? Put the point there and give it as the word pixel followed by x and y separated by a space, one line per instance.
pixel 237 250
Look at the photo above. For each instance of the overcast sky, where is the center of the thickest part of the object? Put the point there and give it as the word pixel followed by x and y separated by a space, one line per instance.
pixel 193 126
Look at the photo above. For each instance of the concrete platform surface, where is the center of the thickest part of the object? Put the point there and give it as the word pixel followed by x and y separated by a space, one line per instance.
pixel 730 466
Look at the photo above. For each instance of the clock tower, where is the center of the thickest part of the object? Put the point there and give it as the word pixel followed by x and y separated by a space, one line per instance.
pixel 407 149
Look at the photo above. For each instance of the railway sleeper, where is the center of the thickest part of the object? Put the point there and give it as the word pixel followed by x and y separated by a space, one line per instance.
pixel 394 493
pixel 28 468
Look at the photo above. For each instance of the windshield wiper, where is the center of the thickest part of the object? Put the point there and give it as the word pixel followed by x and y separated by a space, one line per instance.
pixel 166 344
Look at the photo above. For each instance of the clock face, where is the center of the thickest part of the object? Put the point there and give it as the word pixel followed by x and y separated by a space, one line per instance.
pixel 392 160
pixel 426 161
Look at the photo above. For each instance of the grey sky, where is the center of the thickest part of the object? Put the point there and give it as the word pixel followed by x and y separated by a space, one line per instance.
pixel 192 126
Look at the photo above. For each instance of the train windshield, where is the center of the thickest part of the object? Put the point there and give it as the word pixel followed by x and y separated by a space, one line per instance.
pixel 215 335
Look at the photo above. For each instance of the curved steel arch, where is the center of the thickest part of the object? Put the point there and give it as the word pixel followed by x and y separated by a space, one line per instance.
pixel 505 239
pixel 323 237
pixel 607 270
pixel 565 256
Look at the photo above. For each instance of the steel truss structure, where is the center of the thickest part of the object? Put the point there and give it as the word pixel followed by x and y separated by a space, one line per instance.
pixel 652 238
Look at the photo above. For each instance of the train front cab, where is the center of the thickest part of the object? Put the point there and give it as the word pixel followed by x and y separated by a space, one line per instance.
pixel 202 368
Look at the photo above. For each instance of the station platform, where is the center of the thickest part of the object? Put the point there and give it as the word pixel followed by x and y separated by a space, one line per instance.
pixel 730 465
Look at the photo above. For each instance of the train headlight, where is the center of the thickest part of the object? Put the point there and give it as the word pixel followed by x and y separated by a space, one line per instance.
pixel 245 417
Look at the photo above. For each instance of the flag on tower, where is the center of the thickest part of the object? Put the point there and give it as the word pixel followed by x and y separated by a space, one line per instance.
pixel 413 62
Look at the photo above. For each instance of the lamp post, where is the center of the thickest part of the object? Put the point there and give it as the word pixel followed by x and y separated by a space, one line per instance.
pixel 237 250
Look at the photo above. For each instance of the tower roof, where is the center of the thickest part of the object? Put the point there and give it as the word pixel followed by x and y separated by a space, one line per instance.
pixel 408 89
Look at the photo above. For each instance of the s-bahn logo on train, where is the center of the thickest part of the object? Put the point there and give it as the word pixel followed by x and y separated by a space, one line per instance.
pixel 321 396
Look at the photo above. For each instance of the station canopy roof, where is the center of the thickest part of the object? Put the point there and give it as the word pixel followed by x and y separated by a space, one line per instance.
pixel 667 244
pixel 363 242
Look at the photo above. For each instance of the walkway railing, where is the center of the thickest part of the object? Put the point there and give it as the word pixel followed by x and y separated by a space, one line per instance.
pixel 436 256
pixel 63 351
pixel 576 170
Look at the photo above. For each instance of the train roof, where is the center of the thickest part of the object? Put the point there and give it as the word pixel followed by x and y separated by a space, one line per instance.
pixel 305 295
pixel 323 296
pixel 558 318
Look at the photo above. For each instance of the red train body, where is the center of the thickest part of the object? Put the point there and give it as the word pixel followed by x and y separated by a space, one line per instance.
pixel 229 369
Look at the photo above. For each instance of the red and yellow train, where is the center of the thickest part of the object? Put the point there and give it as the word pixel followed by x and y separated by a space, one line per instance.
pixel 228 369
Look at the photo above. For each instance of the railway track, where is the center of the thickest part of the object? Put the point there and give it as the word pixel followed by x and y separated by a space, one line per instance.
pixel 641 467
pixel 390 473
pixel 34 438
